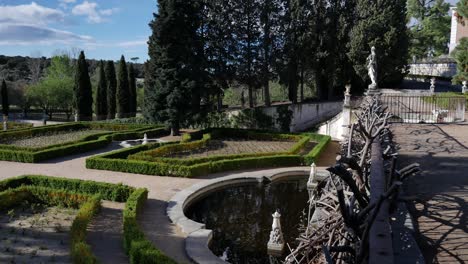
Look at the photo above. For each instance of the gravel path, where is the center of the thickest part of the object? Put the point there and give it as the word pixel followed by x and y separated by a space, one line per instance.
pixel 441 189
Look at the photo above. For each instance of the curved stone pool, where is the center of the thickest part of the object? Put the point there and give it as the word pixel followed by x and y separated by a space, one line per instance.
pixel 240 217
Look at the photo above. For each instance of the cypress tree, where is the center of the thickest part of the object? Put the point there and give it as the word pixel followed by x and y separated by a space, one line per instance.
pixel 132 91
pixel 123 91
pixel 111 89
pixel 101 96
pixel 174 69
pixel 83 90
pixel 382 24
pixel 5 103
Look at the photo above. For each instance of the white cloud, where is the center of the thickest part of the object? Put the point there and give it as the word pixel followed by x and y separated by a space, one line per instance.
pixel 16 34
pixel 64 3
pixel 30 14
pixel 110 11
pixel 90 9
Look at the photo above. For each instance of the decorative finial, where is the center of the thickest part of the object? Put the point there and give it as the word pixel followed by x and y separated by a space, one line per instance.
pixel 312 182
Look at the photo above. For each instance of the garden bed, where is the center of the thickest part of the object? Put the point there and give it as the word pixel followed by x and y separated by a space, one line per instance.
pixel 199 153
pixel 84 196
pixel 32 233
pixel 47 139
pixel 43 143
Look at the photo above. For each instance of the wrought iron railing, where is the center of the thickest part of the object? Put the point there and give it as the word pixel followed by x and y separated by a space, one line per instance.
pixel 425 108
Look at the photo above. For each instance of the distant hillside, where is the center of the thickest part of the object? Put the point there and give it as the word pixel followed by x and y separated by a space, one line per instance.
pixel 27 70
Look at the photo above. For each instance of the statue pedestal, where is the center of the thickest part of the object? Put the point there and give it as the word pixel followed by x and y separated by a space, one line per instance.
pixel 275 250
pixel 373 90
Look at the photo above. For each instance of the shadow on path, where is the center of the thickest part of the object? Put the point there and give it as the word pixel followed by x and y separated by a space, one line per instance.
pixel 440 210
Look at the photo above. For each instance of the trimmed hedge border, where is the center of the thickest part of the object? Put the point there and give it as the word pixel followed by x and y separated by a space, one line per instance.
pixel 87 143
pixel 139 249
pixel 124 160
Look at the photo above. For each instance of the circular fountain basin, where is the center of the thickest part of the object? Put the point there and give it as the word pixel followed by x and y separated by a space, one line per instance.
pixel 229 219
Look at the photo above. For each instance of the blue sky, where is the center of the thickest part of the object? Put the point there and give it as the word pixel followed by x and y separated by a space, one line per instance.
pixel 104 29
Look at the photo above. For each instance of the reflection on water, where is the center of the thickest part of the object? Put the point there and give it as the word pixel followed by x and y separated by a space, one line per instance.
pixel 240 217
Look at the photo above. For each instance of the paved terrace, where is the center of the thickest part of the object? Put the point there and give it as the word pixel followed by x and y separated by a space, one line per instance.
pixel 441 191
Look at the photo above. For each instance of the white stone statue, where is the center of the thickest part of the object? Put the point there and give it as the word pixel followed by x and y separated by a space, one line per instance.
pixel 372 68
pixel 432 88
pixel 464 88
pixel 145 139
pixel 276 242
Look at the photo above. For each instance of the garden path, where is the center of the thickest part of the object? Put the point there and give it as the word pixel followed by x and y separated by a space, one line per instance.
pixel 441 190
pixel 153 220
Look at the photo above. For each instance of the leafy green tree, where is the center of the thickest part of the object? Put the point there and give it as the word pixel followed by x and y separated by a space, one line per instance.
pixel 61 66
pixel 461 56
pixel 174 71
pixel 111 89
pixel 101 95
pixel 462 11
pixel 132 90
pixel 430 32
pixel 51 95
pixel 5 103
pixel 382 24
pixel 123 91
pixel 83 90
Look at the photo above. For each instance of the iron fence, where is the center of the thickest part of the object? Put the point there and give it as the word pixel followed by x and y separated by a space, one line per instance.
pixel 425 108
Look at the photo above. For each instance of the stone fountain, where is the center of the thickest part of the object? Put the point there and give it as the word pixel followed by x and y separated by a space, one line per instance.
pixel 136 142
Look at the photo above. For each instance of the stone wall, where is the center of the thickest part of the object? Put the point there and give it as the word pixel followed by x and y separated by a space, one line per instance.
pixel 446 70
pixel 304 116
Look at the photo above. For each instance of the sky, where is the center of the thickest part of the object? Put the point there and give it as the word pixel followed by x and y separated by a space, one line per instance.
pixel 104 29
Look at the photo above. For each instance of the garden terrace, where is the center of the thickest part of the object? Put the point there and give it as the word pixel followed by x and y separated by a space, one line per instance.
pixel 86 197
pixel 215 150
pixel 42 143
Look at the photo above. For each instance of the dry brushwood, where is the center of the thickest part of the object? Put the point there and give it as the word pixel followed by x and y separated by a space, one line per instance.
pixel 338 229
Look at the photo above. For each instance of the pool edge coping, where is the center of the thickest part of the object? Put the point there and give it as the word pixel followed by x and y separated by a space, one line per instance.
pixel 198 237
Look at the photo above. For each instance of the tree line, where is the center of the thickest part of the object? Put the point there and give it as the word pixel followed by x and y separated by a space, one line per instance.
pixel 115 95
pixel 199 49
pixel 66 87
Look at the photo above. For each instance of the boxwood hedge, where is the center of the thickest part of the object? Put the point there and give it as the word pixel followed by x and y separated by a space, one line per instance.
pixel 86 195
pixel 87 143
pixel 150 160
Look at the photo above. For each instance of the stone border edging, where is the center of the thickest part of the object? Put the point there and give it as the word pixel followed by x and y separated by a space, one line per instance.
pixel 199 238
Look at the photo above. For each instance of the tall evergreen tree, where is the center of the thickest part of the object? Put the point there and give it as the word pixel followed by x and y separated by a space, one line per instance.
pixel 83 90
pixel 123 91
pixel 382 24
pixel 132 90
pixel 247 30
pixel 101 95
pixel 5 103
pixel 111 89
pixel 220 45
pixel 173 71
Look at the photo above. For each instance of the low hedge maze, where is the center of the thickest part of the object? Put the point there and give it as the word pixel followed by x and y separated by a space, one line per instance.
pixel 86 143
pixel 152 159
pixel 85 195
